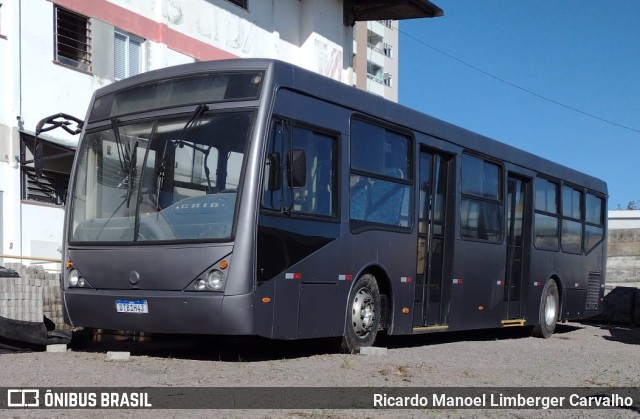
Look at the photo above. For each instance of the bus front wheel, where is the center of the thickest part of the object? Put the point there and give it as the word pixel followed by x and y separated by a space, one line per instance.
pixel 549 308
pixel 363 314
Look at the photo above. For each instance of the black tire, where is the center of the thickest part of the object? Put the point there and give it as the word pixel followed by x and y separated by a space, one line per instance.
pixel 549 310
pixel 363 315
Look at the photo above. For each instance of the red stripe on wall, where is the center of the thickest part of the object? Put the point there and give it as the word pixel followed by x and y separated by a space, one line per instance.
pixel 145 28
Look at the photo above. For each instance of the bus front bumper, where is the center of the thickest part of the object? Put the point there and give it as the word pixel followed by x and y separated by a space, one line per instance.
pixel 168 311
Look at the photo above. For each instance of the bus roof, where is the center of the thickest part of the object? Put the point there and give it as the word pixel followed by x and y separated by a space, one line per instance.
pixel 296 78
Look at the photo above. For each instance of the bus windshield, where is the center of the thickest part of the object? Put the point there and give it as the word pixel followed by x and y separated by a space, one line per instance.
pixel 169 179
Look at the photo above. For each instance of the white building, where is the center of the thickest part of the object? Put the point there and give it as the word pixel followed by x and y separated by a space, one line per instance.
pixel 376 54
pixel 56 53
pixel 624 219
pixel 623 249
pixel 375 59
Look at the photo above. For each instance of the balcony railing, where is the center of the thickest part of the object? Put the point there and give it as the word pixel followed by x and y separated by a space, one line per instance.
pixel 386 81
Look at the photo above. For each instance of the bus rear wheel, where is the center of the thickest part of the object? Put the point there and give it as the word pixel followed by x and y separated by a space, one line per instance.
pixel 363 314
pixel 549 308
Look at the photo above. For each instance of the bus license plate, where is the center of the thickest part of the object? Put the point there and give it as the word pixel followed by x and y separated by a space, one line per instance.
pixel 132 306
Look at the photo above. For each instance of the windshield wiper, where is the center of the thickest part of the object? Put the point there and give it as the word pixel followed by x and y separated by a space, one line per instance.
pixel 128 158
pixel 131 172
pixel 171 145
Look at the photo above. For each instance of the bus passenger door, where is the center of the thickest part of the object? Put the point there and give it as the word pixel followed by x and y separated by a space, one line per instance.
pixel 516 270
pixel 431 289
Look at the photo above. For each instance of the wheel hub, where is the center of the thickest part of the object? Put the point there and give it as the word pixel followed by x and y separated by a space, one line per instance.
pixel 362 313
pixel 550 310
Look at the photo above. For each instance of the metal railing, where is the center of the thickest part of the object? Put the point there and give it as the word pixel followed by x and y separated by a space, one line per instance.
pixel 53 260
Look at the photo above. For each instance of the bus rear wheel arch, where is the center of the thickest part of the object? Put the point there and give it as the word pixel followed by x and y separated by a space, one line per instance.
pixel 364 311
pixel 549 310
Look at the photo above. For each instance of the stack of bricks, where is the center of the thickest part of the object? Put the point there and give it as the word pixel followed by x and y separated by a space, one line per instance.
pixel 34 294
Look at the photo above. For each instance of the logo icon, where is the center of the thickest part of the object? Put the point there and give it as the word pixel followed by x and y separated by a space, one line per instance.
pixel 23 397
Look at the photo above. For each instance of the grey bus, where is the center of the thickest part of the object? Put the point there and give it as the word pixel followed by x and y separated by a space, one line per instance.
pixel 253 197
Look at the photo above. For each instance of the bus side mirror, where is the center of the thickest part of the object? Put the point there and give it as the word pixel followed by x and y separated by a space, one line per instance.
pixel 274 182
pixel 297 168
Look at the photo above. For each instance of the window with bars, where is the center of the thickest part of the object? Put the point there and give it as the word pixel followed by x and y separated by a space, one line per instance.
pixel 127 55
pixel 73 39
pixel 241 3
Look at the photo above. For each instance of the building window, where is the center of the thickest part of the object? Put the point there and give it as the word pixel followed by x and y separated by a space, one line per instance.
pixel 2 34
pixel 50 187
pixel 73 39
pixel 375 72
pixel 127 55
pixel 375 41
pixel 387 79
pixel 241 3
pixel 387 50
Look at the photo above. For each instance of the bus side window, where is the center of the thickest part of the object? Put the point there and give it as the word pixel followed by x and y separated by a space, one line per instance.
pixel 380 181
pixel 316 194
pixel 571 234
pixel 594 222
pixel 481 209
pixel 316 197
pixel 547 215
pixel 387 199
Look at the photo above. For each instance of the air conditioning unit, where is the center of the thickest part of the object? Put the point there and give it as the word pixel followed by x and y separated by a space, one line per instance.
pixel 388 49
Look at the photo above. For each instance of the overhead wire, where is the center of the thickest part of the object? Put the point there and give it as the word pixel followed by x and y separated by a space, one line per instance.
pixel 514 85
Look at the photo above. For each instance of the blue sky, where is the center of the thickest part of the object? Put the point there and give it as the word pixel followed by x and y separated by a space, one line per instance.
pixel 584 54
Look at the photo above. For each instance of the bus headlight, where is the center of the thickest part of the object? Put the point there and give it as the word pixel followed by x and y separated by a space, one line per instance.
pixel 200 284
pixel 74 278
pixel 215 279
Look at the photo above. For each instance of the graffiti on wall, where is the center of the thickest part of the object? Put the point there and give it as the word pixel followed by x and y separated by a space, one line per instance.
pixel 328 59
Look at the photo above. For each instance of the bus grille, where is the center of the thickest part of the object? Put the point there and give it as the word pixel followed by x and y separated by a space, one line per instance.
pixel 593 290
